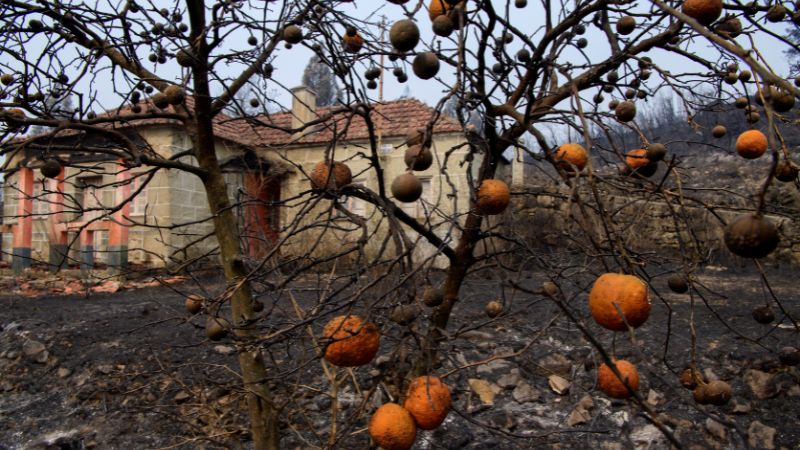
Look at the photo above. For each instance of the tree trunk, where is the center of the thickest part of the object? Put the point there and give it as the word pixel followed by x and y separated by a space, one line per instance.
pixel 262 412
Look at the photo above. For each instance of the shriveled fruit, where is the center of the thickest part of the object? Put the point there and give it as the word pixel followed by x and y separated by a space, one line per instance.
pixel 392 427
pixel 351 341
pixel 160 100
pixel 432 296
pixel 550 289
pixel 656 151
pixel 729 28
pixel 293 34
pixel 612 385
pixel 184 57
pixel 415 137
pixel 763 314
pixel 786 171
pixel 751 144
pixel 174 94
pixel 493 197
pixel 425 65
pixel 418 157
pixel 7 79
pixel 677 283
pixel 719 131
pixel 404 314
pixel 751 236
pixel 217 328
pixel 716 392
pixel 404 35
pixel 636 159
pixel 443 26
pixel 781 100
pixel 493 309
pixel 571 157
pixel 776 13
pixel 428 401
pixel 407 188
pixel 700 395
pixel 51 168
pixel 437 8
pixel 703 11
pixel 322 178
pixel 625 111
pixel 690 378
pixel 193 304
pixel 352 41
pixel 626 25
pixel 613 291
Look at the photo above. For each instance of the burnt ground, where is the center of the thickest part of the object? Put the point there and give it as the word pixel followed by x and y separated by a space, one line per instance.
pixel 127 370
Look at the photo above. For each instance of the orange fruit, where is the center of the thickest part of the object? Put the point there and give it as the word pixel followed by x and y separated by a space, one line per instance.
pixel 352 41
pixel 703 11
pixel 493 197
pixel 627 292
pixel 569 155
pixel 636 159
pixel 609 383
pixel 353 342
pixel 321 177
pixel 751 144
pixel 392 427
pixel 428 401
pixel 440 7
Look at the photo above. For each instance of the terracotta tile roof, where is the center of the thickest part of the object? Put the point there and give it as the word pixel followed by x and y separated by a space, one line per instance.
pixel 399 118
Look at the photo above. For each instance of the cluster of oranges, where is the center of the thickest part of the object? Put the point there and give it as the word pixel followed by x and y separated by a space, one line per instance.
pixel 351 341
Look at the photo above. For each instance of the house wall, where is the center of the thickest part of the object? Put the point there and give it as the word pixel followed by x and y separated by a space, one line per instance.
pixel 170 197
pixel 446 196
pixel 174 197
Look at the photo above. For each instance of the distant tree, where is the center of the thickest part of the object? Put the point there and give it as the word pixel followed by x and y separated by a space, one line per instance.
pixel 319 77
pixel 792 52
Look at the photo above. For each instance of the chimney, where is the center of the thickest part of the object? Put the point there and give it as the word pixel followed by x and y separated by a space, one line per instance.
pixel 304 106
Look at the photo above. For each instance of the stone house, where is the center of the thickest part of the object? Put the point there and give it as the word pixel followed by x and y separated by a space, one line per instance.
pixel 72 219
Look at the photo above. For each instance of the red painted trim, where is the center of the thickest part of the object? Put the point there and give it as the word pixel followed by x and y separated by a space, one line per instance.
pixel 23 236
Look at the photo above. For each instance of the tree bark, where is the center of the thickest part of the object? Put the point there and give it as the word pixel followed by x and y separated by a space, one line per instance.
pixel 262 412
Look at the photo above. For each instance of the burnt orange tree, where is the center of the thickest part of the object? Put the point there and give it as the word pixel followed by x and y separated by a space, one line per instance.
pixel 386 209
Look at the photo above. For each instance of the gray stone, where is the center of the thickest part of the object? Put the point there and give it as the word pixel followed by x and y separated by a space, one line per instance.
pixel 498 365
pixel 717 429
pixel 648 437
pixel 761 383
pixel 761 436
pixel 510 380
pixel 555 363
pixel 36 351
pixel 224 349
pixel 525 393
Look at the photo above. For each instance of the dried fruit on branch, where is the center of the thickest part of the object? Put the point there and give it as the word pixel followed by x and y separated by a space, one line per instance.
pixel 571 156
pixel 751 144
pixel 493 197
pixel 612 293
pixel 609 383
pixel 352 342
pixel 428 401
pixel 392 427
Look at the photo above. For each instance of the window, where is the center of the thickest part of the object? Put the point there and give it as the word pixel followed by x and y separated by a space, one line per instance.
pixel 353 204
pixel 87 195
pixel 139 203
pixel 416 208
